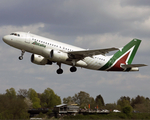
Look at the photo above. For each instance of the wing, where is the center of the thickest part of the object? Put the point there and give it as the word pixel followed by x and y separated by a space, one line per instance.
pixel 133 65
pixel 90 53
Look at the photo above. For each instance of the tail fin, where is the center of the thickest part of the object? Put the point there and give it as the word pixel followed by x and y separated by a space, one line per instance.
pixel 123 57
pixel 128 52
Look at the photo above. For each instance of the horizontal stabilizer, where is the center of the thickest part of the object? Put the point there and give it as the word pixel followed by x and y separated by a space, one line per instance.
pixel 133 65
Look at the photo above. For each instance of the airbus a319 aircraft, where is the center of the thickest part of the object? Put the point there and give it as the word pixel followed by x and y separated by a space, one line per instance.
pixel 47 51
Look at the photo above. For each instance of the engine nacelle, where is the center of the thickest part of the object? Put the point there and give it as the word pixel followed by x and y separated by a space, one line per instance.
pixel 39 60
pixel 56 55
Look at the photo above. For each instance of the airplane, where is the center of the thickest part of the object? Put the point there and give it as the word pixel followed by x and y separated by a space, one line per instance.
pixel 47 51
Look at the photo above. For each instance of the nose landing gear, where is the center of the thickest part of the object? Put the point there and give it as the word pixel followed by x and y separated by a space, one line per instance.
pixel 22 53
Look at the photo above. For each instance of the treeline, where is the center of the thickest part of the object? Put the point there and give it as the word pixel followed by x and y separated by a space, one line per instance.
pixel 138 104
pixel 14 105
pixel 83 99
pixel 131 108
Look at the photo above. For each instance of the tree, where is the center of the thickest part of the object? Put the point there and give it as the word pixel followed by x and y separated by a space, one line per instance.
pixel 28 102
pixel 127 110
pixel 99 101
pixel 112 106
pixel 32 93
pixel 34 98
pixel 68 100
pixel 137 100
pixel 92 103
pixel 147 104
pixel 11 108
pixel 57 100
pixel 23 93
pixel 49 98
pixel 141 104
pixel 123 101
pixel 83 99
pixel 36 102
pixel 11 93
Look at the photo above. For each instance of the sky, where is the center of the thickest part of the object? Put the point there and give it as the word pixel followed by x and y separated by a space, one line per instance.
pixel 89 24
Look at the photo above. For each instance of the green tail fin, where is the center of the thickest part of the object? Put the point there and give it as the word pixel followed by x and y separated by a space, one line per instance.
pixel 124 56
pixel 131 47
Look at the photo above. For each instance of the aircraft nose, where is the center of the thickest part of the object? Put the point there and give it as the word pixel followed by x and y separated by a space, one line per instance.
pixel 6 38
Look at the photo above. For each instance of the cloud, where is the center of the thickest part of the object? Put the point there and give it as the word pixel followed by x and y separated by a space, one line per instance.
pixel 102 40
pixel 140 76
pixel 138 3
pixel 7 29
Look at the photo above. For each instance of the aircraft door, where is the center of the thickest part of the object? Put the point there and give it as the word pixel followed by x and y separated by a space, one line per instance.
pixel 27 38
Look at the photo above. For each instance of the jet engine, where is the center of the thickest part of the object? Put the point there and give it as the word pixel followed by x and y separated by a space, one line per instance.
pixel 56 55
pixel 39 60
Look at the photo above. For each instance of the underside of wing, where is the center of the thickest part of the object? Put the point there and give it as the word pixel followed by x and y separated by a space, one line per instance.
pixel 90 53
pixel 133 65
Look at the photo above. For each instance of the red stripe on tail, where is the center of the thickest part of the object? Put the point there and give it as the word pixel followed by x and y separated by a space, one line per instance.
pixel 117 65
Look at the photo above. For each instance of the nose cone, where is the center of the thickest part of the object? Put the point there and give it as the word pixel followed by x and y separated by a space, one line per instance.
pixel 6 39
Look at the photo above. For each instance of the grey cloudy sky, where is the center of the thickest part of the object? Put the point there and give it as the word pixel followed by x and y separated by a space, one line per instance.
pixel 84 23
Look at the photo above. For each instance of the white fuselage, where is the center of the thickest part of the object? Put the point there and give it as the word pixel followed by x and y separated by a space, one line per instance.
pixel 39 45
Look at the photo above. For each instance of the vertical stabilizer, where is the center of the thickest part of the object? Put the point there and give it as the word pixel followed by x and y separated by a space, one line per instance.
pixel 124 56
pixel 129 51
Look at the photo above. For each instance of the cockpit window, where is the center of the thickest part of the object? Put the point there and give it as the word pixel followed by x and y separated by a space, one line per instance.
pixel 15 34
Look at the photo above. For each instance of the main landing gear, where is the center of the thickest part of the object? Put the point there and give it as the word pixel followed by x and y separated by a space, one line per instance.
pixel 22 53
pixel 60 71
pixel 73 69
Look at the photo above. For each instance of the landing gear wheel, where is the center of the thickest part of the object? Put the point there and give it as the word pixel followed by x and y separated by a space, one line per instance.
pixel 59 71
pixel 22 53
pixel 21 57
pixel 73 69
